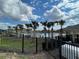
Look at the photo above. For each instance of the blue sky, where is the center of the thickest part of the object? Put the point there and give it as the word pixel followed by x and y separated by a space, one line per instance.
pixel 14 12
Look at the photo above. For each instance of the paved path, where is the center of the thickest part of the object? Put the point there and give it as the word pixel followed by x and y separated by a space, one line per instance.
pixel 41 55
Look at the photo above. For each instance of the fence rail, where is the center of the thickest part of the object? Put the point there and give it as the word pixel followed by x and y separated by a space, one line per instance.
pixel 64 49
pixel 22 44
pixel 69 50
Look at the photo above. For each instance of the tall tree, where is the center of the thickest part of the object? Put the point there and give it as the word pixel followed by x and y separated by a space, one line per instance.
pixel 48 26
pixel 61 23
pixel 28 29
pixel 28 25
pixel 16 29
pixel 44 24
pixel 57 22
pixel 52 24
pixel 45 32
pixel 34 26
pixel 9 30
pixel 20 26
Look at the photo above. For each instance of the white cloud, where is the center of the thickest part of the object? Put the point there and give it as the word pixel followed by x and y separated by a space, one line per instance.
pixel 74 12
pixel 45 4
pixel 72 15
pixel 72 5
pixel 68 4
pixel 63 3
pixel 5 25
pixel 32 17
pixel 54 14
pixel 40 26
pixel 15 9
pixel 24 18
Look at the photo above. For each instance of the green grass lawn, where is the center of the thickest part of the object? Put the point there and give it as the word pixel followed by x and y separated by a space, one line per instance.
pixel 14 43
pixel 14 57
pixel 2 57
pixel 29 44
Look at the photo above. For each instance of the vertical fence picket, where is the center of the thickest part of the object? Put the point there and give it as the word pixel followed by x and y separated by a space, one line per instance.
pixel 23 43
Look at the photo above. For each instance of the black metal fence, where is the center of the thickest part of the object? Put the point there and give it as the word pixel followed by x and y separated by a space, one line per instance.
pixel 61 49
pixel 69 50
pixel 20 44
pixel 64 50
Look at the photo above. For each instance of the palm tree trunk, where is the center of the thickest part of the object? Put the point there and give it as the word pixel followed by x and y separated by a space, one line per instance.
pixel 8 32
pixel 61 30
pixel 16 32
pixel 36 41
pixel 52 33
pixel 47 39
pixel 34 34
pixel 20 34
pixel 52 42
pixel 45 32
pixel 49 32
pixel 45 36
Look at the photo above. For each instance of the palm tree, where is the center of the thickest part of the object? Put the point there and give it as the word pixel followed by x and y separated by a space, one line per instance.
pixel 61 23
pixel 28 25
pixel 27 30
pixel 52 24
pixel 44 24
pixel 21 28
pixel 9 30
pixel 46 41
pixel 34 26
pixel 16 30
pixel 9 27
pixel 57 22
pixel 48 26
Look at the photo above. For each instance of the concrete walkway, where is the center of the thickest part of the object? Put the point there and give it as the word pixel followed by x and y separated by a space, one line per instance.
pixel 41 55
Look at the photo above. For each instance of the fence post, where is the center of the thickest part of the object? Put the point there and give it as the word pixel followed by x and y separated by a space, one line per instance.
pixel 36 45
pixel 23 43
pixel 60 51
